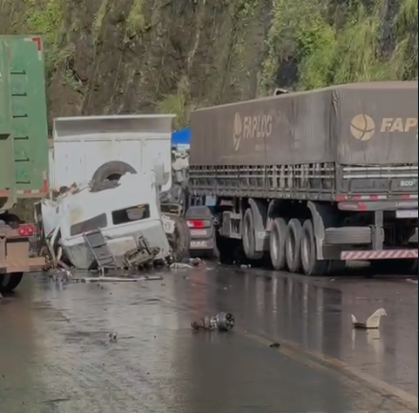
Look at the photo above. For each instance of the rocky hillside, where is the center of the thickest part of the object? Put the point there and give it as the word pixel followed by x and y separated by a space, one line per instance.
pixel 132 56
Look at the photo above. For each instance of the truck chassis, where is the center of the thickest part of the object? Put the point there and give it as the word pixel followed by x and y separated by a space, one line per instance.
pixel 294 216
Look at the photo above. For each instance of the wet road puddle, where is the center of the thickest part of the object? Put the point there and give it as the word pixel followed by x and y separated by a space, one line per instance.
pixel 57 355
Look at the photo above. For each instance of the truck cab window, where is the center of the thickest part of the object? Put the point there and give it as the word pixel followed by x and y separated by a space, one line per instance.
pixel 138 213
pixel 100 221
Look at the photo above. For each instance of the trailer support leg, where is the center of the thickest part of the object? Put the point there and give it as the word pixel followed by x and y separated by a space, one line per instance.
pixel 378 231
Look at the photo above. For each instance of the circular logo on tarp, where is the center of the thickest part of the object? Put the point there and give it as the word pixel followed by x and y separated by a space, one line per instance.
pixel 237 131
pixel 362 127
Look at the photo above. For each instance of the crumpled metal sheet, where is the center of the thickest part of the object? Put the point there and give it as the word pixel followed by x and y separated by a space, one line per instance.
pixel 222 322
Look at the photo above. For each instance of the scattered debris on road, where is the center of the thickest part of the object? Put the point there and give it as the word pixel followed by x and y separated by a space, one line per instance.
pixel 113 337
pixel 193 262
pixel 373 322
pixel 221 322
pixel 58 274
pixel 275 345
pixel 180 266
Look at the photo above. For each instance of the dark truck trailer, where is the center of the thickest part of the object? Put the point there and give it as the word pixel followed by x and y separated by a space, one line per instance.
pixel 311 179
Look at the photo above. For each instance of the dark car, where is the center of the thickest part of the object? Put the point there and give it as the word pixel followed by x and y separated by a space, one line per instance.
pixel 203 234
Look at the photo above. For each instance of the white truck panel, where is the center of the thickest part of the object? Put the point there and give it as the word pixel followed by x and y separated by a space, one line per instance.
pixel 82 144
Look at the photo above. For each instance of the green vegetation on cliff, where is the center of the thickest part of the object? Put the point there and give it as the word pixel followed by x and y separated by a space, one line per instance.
pixel 172 56
pixel 339 42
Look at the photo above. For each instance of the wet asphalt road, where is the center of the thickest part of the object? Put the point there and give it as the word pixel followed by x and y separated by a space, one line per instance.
pixel 55 354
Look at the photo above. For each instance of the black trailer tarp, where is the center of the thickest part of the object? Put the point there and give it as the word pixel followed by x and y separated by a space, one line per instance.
pixel 365 123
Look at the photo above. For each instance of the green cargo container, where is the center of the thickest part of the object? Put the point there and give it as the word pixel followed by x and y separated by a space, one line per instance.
pixel 6 140
pixel 23 119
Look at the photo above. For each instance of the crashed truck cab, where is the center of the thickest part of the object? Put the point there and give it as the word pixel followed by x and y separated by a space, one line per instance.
pixel 122 215
pixel 93 150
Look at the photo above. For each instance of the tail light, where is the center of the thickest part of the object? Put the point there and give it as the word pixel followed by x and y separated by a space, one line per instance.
pixel 26 230
pixel 198 223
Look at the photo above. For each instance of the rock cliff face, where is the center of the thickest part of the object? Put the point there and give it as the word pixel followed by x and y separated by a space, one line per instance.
pixel 133 56
pixel 144 55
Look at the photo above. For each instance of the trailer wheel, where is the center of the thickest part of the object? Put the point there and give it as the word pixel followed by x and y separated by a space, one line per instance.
pixel 249 237
pixel 14 281
pixel 309 262
pixel 293 245
pixel 277 244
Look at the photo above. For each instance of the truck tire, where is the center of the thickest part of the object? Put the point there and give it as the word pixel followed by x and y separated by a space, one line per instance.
pixel 181 239
pixel 11 281
pixel 111 171
pixel 249 237
pixel 277 244
pixel 293 244
pixel 11 219
pixel 14 281
pixel 309 262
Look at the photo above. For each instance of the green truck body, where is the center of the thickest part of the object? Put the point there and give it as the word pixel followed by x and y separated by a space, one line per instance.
pixel 23 120
pixel 23 151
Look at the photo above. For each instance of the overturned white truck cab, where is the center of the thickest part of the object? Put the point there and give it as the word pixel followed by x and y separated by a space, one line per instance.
pixel 98 227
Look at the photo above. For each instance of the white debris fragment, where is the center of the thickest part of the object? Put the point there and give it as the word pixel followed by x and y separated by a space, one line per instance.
pixel 180 266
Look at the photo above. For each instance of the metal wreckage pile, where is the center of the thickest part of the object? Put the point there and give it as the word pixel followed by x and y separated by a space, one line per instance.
pixel 220 322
